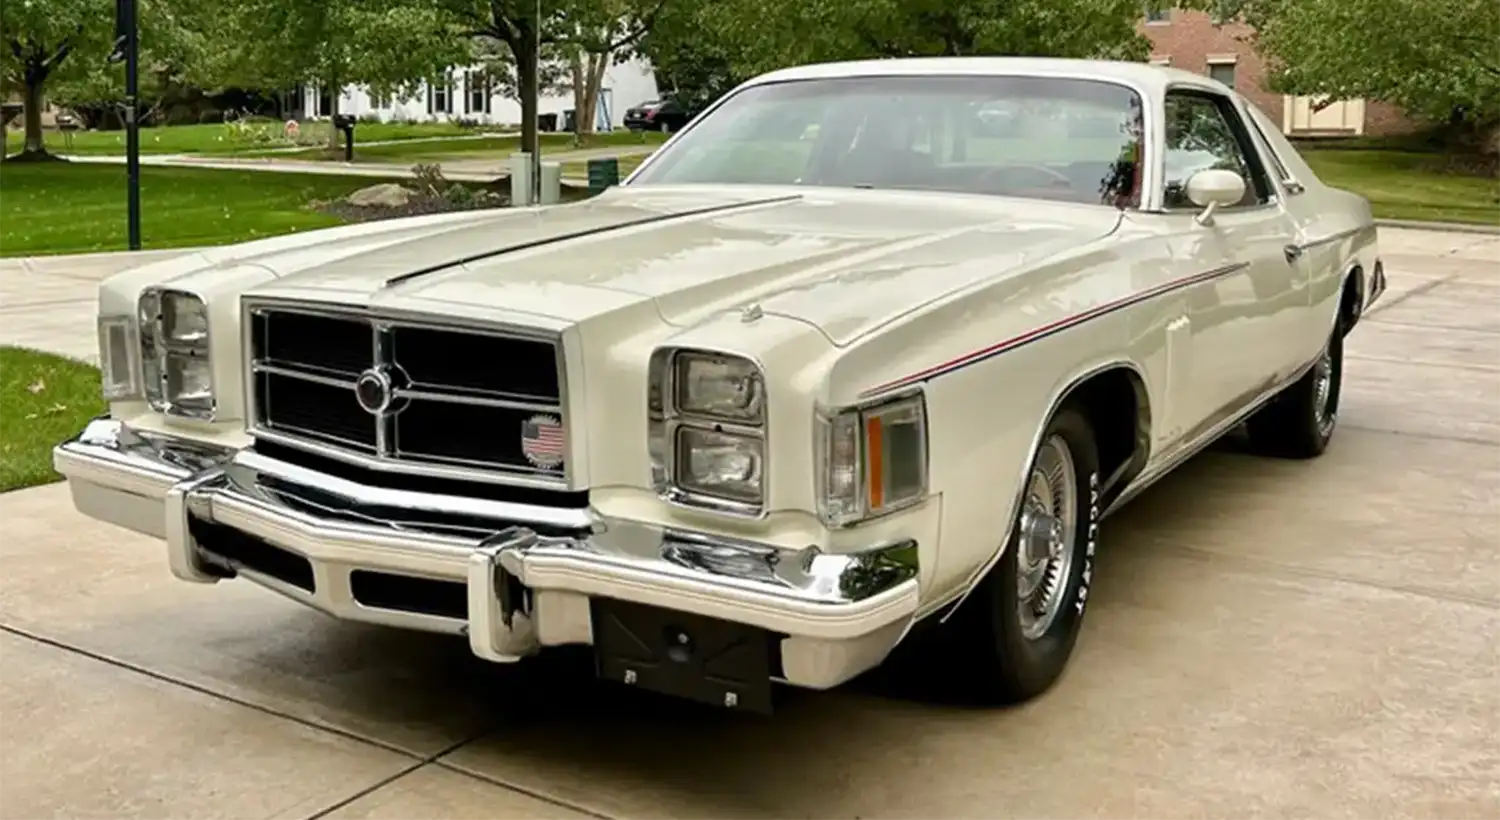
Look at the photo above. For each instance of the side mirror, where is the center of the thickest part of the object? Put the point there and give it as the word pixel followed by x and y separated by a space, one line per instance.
pixel 1212 189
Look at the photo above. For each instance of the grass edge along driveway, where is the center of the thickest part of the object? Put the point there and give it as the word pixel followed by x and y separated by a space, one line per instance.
pixel 57 207
pixel 44 400
pixel 1408 184
pixel 229 139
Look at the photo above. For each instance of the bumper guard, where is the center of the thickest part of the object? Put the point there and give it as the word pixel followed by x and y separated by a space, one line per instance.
pixel 512 577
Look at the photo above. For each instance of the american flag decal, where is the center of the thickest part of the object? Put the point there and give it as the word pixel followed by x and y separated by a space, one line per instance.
pixel 542 441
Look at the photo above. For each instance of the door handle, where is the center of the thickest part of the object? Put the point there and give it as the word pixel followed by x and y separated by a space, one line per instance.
pixel 1292 252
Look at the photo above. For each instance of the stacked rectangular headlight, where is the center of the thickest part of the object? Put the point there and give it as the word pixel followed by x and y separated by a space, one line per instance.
pixel 174 341
pixel 707 430
pixel 872 460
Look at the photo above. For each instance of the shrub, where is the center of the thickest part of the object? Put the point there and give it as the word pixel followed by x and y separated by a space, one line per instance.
pixel 429 179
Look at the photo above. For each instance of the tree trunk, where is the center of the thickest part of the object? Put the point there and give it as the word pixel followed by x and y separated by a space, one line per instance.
pixel 333 111
pixel 578 72
pixel 525 51
pixel 34 101
pixel 593 82
pixel 1490 141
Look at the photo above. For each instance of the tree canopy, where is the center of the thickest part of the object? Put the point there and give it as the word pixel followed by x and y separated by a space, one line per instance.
pixel 1439 58
pixel 44 41
pixel 765 34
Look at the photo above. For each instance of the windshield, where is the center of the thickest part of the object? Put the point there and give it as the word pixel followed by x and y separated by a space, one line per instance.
pixel 1045 138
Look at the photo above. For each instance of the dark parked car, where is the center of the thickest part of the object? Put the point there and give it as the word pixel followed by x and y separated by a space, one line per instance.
pixel 657 115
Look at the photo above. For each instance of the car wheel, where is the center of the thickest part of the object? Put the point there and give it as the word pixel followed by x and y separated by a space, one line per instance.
pixel 1021 623
pixel 1300 421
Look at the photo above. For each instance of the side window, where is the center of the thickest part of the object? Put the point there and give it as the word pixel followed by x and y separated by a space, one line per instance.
pixel 1202 133
pixel 1277 166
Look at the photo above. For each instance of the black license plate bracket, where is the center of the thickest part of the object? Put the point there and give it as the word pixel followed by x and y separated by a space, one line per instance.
pixel 711 661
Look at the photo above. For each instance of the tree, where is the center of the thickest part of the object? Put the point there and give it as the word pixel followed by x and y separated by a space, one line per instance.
pixel 594 34
pixel 383 44
pixel 759 35
pixel 692 67
pixel 500 66
pixel 523 28
pixel 46 41
pixel 1438 58
pixel 703 48
pixel 171 50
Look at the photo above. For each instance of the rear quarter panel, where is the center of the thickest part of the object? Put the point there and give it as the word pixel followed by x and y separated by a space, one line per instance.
pixel 1335 227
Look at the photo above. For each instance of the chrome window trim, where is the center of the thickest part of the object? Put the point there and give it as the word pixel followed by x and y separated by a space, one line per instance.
pixel 391 463
pixel 1151 120
pixel 1273 200
pixel 1284 177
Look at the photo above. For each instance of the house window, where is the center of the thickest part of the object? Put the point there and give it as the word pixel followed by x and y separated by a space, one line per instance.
pixel 480 92
pixel 1158 15
pixel 440 97
pixel 1223 72
pixel 380 99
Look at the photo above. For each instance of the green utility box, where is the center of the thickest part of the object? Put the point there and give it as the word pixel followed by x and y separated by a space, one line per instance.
pixel 603 172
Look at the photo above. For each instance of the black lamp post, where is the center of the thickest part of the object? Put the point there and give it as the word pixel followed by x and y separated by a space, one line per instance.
pixel 127 48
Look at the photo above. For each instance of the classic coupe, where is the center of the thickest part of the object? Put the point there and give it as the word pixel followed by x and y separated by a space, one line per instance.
pixel 866 346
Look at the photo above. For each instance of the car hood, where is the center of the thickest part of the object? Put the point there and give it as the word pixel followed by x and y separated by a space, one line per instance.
pixel 842 261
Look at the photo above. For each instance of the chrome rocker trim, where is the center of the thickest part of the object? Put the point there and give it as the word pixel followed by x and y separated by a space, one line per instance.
pixel 839 614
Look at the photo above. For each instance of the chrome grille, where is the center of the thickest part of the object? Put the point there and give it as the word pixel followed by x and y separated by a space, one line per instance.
pixel 408 391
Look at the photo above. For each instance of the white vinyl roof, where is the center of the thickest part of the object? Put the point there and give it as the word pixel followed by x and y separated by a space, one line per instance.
pixel 1151 79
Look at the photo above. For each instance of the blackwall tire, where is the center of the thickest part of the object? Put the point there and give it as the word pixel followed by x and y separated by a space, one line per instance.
pixel 1021 624
pixel 1300 421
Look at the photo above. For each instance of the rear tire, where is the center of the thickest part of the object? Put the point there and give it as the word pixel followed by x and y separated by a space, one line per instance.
pixel 1021 623
pixel 1300 421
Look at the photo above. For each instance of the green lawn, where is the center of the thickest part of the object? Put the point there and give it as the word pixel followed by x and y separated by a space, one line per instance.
pixel 44 399
pixel 1408 185
pixel 218 138
pixel 59 207
pixel 473 148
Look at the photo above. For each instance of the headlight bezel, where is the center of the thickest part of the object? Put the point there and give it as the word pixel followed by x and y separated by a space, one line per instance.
pixel 165 359
pixel 870 494
pixel 666 421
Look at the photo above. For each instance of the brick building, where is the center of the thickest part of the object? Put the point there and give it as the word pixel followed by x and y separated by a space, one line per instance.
pixel 1190 40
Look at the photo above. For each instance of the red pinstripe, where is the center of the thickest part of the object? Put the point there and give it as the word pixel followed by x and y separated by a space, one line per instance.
pixel 1037 333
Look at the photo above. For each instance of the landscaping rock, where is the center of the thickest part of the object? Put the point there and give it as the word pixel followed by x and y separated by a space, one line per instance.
pixel 387 195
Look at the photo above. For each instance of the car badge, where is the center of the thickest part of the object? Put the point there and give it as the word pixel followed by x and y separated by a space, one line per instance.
pixel 373 391
pixel 542 441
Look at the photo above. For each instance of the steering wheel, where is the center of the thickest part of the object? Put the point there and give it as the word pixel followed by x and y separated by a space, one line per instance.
pixel 1054 178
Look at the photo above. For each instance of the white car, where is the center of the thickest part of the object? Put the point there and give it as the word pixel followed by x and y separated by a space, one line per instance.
pixel 836 360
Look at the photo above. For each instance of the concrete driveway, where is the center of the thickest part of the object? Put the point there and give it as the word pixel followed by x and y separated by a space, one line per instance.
pixel 1314 639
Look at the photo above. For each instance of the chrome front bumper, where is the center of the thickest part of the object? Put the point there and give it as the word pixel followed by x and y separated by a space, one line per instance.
pixel 512 577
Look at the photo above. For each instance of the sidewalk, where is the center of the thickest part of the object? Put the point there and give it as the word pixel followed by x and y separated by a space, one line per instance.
pixel 50 302
pixel 479 168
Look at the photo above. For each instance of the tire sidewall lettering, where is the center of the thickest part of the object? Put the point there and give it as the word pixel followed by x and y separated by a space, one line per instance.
pixel 1091 543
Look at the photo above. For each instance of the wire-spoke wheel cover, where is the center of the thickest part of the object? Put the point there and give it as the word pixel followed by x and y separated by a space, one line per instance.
pixel 1048 529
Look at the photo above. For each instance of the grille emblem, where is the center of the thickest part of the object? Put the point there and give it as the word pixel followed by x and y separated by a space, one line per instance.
pixel 374 391
pixel 542 441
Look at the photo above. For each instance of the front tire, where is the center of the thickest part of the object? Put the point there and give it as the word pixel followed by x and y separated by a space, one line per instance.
pixel 1021 623
pixel 1300 421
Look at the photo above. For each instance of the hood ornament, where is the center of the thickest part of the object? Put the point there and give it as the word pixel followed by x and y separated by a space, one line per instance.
pixel 751 312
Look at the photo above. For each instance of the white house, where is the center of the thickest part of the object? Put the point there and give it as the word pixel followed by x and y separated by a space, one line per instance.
pixel 468 95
